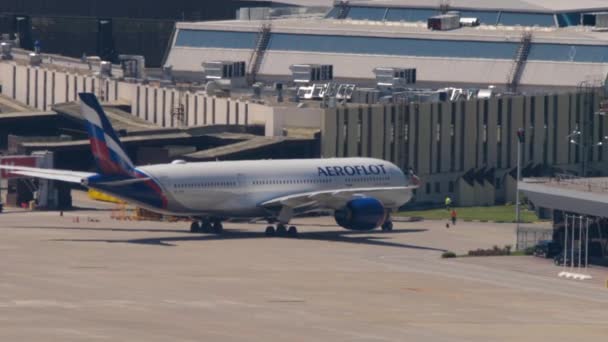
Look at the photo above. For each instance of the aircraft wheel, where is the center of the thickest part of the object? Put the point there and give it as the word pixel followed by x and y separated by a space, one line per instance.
pixel 281 230
pixel 217 228
pixel 387 226
pixel 292 232
pixel 195 227
pixel 270 231
pixel 206 227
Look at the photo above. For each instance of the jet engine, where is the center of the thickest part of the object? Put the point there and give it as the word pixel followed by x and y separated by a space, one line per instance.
pixel 361 214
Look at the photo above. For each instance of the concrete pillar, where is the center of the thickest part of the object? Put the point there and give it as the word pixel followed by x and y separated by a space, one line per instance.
pixel 352 117
pixel 329 131
pixel 377 127
pixel 342 132
pixel 221 110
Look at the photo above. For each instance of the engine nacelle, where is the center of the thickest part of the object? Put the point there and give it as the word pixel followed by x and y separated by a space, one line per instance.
pixel 361 214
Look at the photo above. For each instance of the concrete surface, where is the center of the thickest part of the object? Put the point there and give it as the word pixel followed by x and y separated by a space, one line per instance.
pixel 62 280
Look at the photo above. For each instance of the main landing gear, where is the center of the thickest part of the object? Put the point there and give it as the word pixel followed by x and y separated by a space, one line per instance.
pixel 282 231
pixel 387 226
pixel 206 226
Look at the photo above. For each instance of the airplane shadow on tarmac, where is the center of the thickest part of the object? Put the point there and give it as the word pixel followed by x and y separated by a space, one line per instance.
pixel 351 237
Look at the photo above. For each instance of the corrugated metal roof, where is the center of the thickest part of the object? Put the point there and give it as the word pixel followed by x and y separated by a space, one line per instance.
pixel 353 65
pixel 549 6
pixel 574 35
pixel 254 143
pixel 8 105
pixel 120 120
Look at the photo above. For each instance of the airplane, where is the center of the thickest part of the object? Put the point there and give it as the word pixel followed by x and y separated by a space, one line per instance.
pixel 360 192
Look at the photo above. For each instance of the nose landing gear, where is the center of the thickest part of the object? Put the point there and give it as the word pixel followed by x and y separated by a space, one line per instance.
pixel 387 226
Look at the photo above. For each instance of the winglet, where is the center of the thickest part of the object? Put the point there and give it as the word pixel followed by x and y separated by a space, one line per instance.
pixel 110 155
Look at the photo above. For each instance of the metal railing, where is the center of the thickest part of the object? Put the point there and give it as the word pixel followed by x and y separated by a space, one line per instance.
pixel 529 236
pixel 572 182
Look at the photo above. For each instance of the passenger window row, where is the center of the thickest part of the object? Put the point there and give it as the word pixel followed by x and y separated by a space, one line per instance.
pixel 367 179
pixel 291 181
pixel 205 185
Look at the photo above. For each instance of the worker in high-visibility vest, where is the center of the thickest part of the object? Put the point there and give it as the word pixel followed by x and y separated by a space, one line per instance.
pixel 448 203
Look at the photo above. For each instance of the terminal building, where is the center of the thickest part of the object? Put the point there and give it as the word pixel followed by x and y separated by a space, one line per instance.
pixel 534 43
pixel 440 89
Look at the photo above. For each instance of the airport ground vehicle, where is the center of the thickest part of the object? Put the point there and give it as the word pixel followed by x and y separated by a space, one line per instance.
pixel 595 252
pixel 547 249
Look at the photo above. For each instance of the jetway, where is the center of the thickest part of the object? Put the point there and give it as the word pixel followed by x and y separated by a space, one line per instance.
pixel 20 190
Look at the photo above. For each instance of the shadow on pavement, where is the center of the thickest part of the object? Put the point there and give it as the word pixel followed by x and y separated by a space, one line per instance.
pixel 375 238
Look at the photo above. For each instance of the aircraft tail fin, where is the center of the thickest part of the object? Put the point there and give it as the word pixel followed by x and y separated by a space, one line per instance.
pixel 110 155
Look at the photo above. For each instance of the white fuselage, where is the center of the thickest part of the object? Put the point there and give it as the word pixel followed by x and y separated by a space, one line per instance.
pixel 237 188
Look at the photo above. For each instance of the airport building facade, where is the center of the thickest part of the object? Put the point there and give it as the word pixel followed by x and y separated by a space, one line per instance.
pixel 465 149
pixel 468 149
pixel 167 106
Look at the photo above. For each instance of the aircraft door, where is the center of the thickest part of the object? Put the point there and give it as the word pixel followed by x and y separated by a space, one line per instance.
pixel 242 182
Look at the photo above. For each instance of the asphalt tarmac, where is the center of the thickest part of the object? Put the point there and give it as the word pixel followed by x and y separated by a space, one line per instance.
pixel 98 279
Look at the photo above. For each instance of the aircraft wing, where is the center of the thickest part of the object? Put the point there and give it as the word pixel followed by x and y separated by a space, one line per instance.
pixel 50 174
pixel 334 199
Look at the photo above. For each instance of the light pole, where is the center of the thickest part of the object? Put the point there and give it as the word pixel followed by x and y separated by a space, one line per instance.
pixel 521 138
pixel 577 138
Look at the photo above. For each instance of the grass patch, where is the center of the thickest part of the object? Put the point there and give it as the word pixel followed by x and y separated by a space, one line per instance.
pixel 501 213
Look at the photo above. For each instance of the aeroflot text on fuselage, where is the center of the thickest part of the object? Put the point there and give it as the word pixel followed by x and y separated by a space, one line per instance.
pixel 357 170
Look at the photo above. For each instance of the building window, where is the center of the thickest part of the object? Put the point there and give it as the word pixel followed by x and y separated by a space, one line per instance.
pixel 532 126
pixel 485 132
pixel 600 149
pixel 498 184
pixel 546 130
pixel 393 133
pixel 369 131
pixel 437 187
pixel 384 135
pixel 416 130
pixel 509 130
pixel 367 13
pixel 453 138
pixel 575 146
pixel 451 187
pixel 345 134
pixel 360 133
pixel 438 131
pixel 406 138
pixel 462 134
pixel 428 188
pixel 438 136
pixel 555 135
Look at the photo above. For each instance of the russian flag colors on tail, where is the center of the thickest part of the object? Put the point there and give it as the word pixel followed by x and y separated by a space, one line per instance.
pixel 117 174
pixel 110 155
